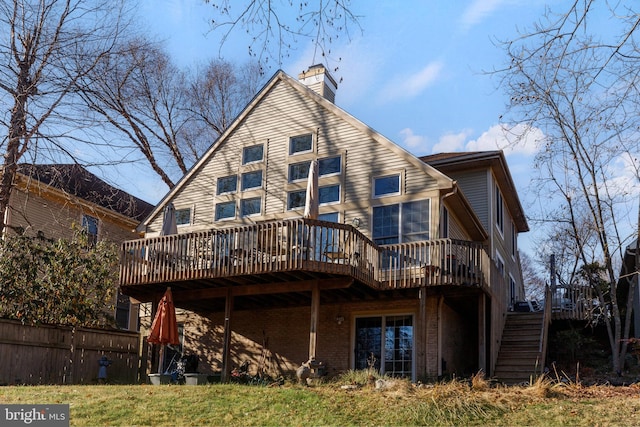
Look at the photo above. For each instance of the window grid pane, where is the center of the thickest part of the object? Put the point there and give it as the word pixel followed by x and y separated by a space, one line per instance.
pixel 300 144
pixel 386 224
pixel 183 216
pixel 251 180
pixel 386 185
pixel 415 221
pixel 225 210
pixel 298 171
pixel 296 199
pixel 250 206
pixel 330 165
pixel 252 154
pixel 227 184
pixel 328 194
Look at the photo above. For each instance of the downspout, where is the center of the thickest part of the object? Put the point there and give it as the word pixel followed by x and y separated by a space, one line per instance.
pixel 454 186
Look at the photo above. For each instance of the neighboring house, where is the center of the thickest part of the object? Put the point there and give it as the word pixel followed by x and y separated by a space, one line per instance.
pixel 410 267
pixel 49 200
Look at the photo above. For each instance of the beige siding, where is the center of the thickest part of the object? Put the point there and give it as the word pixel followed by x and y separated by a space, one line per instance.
pixel 476 188
pixel 283 113
pixel 55 218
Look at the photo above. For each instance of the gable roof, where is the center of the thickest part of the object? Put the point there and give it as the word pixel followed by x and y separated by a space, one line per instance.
pixel 464 161
pixel 76 181
pixel 280 77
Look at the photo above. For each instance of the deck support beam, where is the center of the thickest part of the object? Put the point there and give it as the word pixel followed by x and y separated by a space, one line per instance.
pixel 226 350
pixel 313 330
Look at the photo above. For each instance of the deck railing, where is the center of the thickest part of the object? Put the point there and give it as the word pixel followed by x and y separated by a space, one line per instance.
pixel 573 302
pixel 300 244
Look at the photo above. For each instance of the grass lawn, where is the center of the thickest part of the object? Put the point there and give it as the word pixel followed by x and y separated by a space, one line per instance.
pixel 331 404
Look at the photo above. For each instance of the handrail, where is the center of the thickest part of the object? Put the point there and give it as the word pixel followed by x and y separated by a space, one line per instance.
pixel 301 244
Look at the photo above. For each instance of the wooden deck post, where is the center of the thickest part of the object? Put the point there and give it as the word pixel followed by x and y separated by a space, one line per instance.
pixel 421 338
pixel 226 344
pixel 482 335
pixel 315 308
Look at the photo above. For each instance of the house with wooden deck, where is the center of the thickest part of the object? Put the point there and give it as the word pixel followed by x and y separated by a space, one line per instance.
pixel 411 265
pixel 50 199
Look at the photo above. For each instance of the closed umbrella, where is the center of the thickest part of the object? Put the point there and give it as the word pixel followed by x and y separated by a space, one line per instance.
pixel 311 206
pixel 164 329
pixel 169 225
pixel 311 200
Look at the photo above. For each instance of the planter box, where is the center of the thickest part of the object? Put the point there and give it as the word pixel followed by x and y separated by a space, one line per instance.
pixel 195 379
pixel 157 379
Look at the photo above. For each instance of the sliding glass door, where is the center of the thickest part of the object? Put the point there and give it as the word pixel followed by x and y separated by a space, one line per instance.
pixel 385 343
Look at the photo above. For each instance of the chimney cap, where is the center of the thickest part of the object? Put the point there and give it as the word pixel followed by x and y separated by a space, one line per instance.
pixel 316 70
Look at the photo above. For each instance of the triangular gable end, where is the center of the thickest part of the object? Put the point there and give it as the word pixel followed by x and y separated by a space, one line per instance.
pixel 442 180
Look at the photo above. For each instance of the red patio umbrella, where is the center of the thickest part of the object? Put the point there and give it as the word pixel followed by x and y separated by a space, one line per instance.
pixel 164 329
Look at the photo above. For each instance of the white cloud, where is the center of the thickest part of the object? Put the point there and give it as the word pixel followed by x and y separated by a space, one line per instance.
pixel 477 11
pixel 451 142
pixel 410 86
pixel 513 139
pixel 412 141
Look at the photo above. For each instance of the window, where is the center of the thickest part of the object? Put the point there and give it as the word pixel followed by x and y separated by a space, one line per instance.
pixel 90 227
pixel 328 194
pixel 250 206
pixel 514 239
pixel 415 221
pixel 227 184
pixel 296 199
pixel 386 220
pixel 123 307
pixel 329 166
pixel 251 180
pixel 225 210
pixel 300 144
pixel 183 216
pixel 299 171
pixel 407 222
pixel 499 210
pixel 444 224
pixel 386 185
pixel 252 154
pixel 387 343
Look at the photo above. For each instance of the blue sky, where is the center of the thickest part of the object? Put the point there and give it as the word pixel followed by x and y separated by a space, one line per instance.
pixel 416 74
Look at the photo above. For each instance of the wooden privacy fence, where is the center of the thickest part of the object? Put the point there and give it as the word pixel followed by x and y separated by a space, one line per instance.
pixel 47 354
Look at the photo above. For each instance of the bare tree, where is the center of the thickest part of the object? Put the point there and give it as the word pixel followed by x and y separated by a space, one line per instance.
pixel 275 27
pixel 45 47
pixel 217 92
pixel 534 284
pixel 169 116
pixel 582 91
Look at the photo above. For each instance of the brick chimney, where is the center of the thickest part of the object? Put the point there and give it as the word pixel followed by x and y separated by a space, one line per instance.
pixel 318 79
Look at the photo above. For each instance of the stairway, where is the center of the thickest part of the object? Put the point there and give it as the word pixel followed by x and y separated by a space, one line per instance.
pixel 520 356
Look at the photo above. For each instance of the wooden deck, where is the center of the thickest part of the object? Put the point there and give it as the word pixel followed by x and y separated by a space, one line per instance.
pixel 281 253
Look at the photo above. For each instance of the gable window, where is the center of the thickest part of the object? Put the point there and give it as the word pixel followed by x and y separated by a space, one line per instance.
pixel 90 227
pixel 225 210
pixel 499 211
pixel 299 171
pixel 251 180
pixel 296 199
pixel 328 194
pixel 300 144
pixel 329 166
pixel 227 184
pixel 252 154
pixel 250 206
pixel 386 185
pixel 183 216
